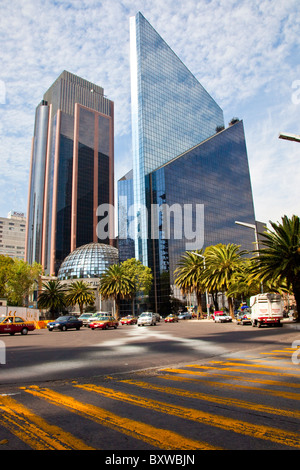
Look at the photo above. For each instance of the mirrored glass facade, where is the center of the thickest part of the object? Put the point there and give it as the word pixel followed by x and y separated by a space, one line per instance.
pixel 171 112
pixel 88 261
pixel 72 170
pixel 215 176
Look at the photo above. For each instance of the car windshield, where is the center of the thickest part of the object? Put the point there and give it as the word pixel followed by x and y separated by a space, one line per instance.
pixel 146 315
pixel 85 315
pixel 62 319
pixel 101 317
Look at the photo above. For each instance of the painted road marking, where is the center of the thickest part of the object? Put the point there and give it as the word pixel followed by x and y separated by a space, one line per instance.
pixel 279 436
pixel 136 429
pixel 35 431
pixel 216 399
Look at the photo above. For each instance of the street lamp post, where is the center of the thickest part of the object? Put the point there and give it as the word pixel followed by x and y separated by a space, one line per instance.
pixel 253 227
pixel 206 294
pixel 292 137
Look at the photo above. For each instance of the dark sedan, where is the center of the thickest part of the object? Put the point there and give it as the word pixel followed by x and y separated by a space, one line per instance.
pixel 65 323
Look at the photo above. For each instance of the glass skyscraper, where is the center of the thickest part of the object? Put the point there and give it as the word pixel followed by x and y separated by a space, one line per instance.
pixel 171 112
pixel 190 180
pixel 213 176
pixel 72 170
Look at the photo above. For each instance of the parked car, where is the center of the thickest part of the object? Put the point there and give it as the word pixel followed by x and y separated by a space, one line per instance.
pixel 146 318
pixel 222 317
pixel 104 322
pixel 184 316
pixel 243 317
pixel 12 325
pixel 64 323
pixel 129 320
pixel 171 318
pixel 85 318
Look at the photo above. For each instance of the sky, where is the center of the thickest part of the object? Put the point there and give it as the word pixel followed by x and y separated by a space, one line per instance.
pixel 244 52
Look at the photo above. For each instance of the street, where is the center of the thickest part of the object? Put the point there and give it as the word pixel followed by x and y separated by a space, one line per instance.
pixel 189 386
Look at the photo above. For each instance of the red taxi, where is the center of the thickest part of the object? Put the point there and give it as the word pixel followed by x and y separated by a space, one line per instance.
pixel 12 325
pixel 103 322
pixel 129 320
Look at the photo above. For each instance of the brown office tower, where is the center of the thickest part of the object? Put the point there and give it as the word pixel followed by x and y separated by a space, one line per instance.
pixel 72 171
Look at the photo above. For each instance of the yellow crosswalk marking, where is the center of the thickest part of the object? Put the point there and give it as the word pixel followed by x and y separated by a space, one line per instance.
pixel 280 436
pixel 216 399
pixel 290 395
pixel 35 431
pixel 155 436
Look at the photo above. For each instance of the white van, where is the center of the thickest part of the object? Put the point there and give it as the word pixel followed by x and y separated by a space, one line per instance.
pixel 147 318
pixel 266 309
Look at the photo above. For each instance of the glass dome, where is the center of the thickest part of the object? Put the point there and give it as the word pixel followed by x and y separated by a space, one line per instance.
pixel 88 261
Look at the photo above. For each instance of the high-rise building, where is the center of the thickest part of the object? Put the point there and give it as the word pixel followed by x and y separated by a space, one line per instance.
pixel 72 170
pixel 190 180
pixel 171 112
pixel 196 198
pixel 12 235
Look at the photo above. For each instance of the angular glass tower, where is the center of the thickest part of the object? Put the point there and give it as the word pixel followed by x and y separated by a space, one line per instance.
pixel 171 112
pixel 72 170
pixel 214 176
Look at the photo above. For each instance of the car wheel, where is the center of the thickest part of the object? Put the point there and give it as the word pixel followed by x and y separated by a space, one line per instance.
pixel 63 328
pixel 24 331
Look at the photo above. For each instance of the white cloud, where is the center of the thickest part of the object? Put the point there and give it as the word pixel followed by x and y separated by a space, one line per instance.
pixel 245 53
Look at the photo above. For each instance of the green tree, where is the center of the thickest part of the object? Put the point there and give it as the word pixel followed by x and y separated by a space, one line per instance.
pixel 189 276
pixel 22 281
pixel 279 257
pixel 52 296
pixel 222 263
pixel 79 292
pixel 6 263
pixel 116 284
pixel 141 277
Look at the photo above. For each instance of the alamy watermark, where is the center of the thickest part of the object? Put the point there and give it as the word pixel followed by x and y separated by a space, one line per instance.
pixel 160 221
pixel 296 354
pixel 2 92
pixel 296 94
pixel 2 353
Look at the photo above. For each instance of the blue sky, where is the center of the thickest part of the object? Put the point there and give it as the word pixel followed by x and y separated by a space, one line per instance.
pixel 245 53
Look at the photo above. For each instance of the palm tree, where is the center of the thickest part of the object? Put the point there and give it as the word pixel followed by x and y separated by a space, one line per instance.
pixel 79 292
pixel 222 262
pixel 115 284
pixel 52 296
pixel 190 276
pixel 279 258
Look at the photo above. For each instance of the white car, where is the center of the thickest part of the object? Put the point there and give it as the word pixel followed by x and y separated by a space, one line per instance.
pixel 222 317
pixel 146 318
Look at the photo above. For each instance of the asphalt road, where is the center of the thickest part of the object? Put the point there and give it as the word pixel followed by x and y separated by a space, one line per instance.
pixel 180 388
pixel 45 356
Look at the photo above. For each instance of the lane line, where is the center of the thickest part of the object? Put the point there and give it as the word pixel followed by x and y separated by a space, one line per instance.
pixel 216 399
pixel 245 371
pixel 157 437
pixel 290 395
pixel 34 430
pixel 280 436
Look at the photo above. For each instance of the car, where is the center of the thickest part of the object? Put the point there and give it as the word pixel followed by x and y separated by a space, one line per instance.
pixel 129 320
pixel 146 318
pixel 222 317
pixel 157 316
pixel 12 324
pixel 184 316
pixel 104 322
pixel 243 317
pixel 85 318
pixel 64 323
pixel 94 316
pixel 171 318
